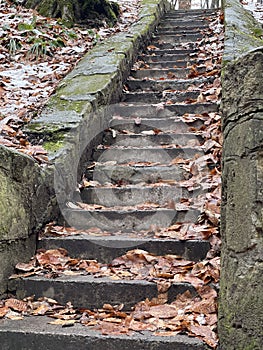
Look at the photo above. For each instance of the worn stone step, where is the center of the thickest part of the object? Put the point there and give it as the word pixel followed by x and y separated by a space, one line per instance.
pixel 181 30
pixel 167 84
pixel 148 62
pixel 177 26
pixel 35 333
pixel 126 220
pixel 133 195
pixel 140 139
pixel 165 124
pixel 162 57
pixel 107 248
pixel 192 12
pixel 152 97
pixel 179 45
pixel 87 291
pixel 169 73
pixel 154 50
pixel 132 174
pixel 177 38
pixel 150 154
pixel 152 111
pixel 182 22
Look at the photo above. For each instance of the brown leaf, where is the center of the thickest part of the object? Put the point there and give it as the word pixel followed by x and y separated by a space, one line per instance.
pixel 163 311
pixel 63 323
pixel 204 331
pixel 3 311
pixel 15 304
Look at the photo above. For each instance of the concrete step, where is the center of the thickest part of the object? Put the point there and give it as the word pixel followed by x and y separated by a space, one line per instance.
pixel 149 63
pixel 87 291
pixel 170 51
pixel 137 140
pixel 169 73
pixel 177 38
pixel 162 57
pixel 182 22
pixel 107 248
pixel 127 220
pixel 181 30
pixel 153 97
pixel 191 12
pixel 178 26
pixel 132 195
pixel 162 155
pixel 167 84
pixel 163 122
pixel 35 333
pixel 129 174
pixel 152 111
pixel 179 45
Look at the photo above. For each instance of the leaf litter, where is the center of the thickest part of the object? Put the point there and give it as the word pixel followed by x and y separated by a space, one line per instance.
pixel 190 313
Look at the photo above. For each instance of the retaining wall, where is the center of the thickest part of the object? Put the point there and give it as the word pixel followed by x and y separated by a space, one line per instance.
pixel 241 303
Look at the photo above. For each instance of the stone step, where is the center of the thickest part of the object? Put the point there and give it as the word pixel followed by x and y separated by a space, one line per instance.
pixel 167 84
pixel 87 291
pixel 137 140
pixel 107 248
pixel 127 220
pixel 162 45
pixel 150 63
pixel 178 26
pixel 164 155
pixel 154 62
pixel 152 111
pixel 163 122
pixel 181 30
pixel 129 174
pixel 191 12
pixel 170 73
pixel 153 97
pixel 153 50
pixel 35 333
pixel 182 22
pixel 177 38
pixel 131 195
pixel 162 57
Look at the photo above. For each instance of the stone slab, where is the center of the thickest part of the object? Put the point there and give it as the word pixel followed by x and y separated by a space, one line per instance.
pixel 35 333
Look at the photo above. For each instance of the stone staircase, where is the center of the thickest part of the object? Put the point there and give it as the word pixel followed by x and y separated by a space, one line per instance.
pixel 133 185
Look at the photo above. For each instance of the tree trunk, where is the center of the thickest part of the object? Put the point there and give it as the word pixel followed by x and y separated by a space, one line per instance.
pixel 89 12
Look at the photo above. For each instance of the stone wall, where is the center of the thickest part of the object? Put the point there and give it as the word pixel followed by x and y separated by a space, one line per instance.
pixel 241 302
pixel 28 191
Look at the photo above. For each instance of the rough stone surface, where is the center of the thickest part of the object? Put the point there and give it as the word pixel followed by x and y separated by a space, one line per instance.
pixel 67 125
pixel 240 307
pixel 243 32
pixel 24 200
pixel 40 335
pixel 105 249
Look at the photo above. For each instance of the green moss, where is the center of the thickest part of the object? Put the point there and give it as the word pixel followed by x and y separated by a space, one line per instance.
pixel 81 87
pixel 53 146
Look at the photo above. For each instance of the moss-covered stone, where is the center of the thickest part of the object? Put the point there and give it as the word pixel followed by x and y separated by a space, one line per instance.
pixel 242 32
pixel 240 305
